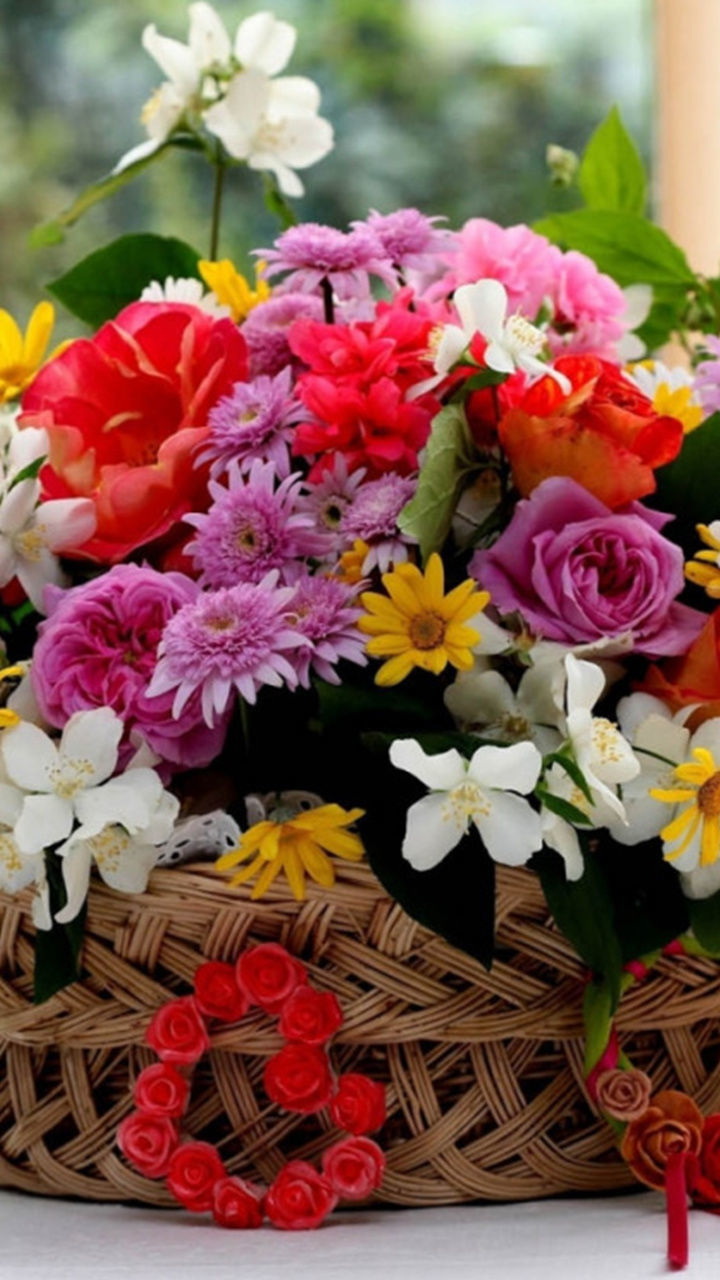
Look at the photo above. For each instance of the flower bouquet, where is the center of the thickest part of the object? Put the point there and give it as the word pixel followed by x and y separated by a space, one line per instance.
pixel 405 550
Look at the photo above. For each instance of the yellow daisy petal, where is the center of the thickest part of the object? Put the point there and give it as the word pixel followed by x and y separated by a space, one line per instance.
pixel 394 670
pixel 37 334
pixel 295 873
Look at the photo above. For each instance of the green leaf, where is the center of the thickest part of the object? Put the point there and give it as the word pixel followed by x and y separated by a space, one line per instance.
pixel 276 204
pixel 53 232
pixel 57 950
pixel 428 515
pixel 572 769
pixel 111 278
pixel 30 472
pixel 612 174
pixel 705 921
pixel 650 908
pixel 599 1005
pixel 562 808
pixel 688 488
pixel 629 248
pixel 583 911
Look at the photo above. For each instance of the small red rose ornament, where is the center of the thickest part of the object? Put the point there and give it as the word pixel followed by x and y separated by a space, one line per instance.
pixel 299 1078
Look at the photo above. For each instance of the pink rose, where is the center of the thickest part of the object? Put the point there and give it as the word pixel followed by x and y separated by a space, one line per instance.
pixel 577 572
pixel 98 648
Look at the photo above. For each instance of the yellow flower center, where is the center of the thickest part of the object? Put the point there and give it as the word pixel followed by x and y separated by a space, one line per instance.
pixel 523 335
pixel 70 776
pixel 708 797
pixel 31 543
pixel 151 107
pixel 465 801
pixel 427 631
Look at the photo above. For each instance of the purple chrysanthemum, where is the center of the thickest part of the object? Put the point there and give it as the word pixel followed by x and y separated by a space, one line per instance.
pixel 266 330
pixel 373 517
pixel 253 527
pixel 254 422
pixel 707 378
pixel 312 253
pixel 235 638
pixel 409 238
pixel 329 499
pixel 322 610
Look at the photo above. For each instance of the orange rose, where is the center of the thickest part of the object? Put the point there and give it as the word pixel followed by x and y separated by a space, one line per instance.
pixel 605 434
pixel 624 1095
pixel 695 677
pixel 671 1125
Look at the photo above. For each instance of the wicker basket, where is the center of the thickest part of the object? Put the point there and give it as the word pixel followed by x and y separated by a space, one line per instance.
pixel 484 1070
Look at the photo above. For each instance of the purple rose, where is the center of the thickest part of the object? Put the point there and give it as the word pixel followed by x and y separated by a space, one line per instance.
pixel 577 571
pixel 97 649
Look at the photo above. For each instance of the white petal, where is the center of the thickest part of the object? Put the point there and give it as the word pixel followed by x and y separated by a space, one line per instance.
pixel 175 59
pixel 433 829
pixel 264 43
pixel 235 120
pixel 493 639
pixel 288 182
pixel 8 560
pixel 29 756
pixel 497 358
pixel 112 805
pixel 162 820
pixel 515 768
pixel 41 916
pixel 293 96
pixel 585 683
pixel 511 831
pixel 35 575
pixel 16 871
pixel 29 445
pixel 638 301
pixel 636 707
pixel 663 737
pixel 563 838
pixel 208 40
pixel 66 523
pixel 11 803
pixel 128 869
pixel 93 736
pixel 708 736
pixel 18 506
pixel 701 883
pixel 450 348
pixel 140 152
pixel 482 308
pixel 44 821
pixel 76 864
pixel 439 772
pixel 480 697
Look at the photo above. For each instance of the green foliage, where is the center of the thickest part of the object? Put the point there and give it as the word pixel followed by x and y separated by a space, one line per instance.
pixel 612 174
pixel 111 278
pixel 276 203
pixel 599 1005
pixel 448 462
pixel 583 910
pixel 705 921
pixel 57 950
pixel 53 232
pixel 687 487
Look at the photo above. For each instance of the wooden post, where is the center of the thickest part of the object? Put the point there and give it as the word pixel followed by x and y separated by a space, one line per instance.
pixel 688 115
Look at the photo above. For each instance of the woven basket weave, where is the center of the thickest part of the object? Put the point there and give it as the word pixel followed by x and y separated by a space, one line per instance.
pixel 484 1070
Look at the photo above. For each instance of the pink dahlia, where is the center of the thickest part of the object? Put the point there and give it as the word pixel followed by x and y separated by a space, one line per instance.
pixel 236 638
pixel 98 648
pixel 311 253
pixel 409 239
pixel 268 325
pixel 524 262
pixel 254 422
pixel 373 517
pixel 322 610
pixel 253 527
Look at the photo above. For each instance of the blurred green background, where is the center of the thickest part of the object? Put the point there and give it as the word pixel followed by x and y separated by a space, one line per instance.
pixel 447 104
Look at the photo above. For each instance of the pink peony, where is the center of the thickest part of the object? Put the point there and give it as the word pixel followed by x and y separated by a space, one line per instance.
pixel 588 308
pixel 577 572
pixel 524 262
pixel 98 648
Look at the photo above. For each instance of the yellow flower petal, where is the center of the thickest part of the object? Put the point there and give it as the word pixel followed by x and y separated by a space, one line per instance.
pixel 394 670
pixel 37 334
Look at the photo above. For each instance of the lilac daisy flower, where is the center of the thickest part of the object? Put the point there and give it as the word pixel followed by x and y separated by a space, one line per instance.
pixel 266 331
pixel 255 421
pixel 329 499
pixel 707 377
pixel 253 527
pixel 409 239
pixel 322 610
pixel 312 253
pixel 372 518
pixel 235 638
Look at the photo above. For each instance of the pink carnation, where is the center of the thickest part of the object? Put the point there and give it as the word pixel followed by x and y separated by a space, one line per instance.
pixel 588 308
pixel 98 649
pixel 524 262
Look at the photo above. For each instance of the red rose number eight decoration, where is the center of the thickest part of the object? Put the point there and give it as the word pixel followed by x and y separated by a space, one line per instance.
pixel 299 1078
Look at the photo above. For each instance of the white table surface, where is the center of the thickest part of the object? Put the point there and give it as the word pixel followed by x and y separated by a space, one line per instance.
pixel 619 1238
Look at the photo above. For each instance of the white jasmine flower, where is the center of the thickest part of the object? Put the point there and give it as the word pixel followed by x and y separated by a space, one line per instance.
pixel 660 742
pixel 478 791
pixel 638 301
pixel 602 754
pixel 691 836
pixel 31 532
pixel 187 290
pixel 484 702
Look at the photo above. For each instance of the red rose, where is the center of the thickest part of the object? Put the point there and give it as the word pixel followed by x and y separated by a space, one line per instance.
pixel 237 1204
pixel 298 1078
pixel 705 1186
pixel 310 1016
pixel 354 1168
pixel 148 1142
pixel 177 1032
pixel 126 410
pixel 217 992
pixel 268 974
pixel 194 1169
pixel 300 1198
pixel 160 1090
pixel 359 1104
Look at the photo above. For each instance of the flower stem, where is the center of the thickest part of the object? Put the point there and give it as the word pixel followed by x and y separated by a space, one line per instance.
pixel 216 208
pixel 328 301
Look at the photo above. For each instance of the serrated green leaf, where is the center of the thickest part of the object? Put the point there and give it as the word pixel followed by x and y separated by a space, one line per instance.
pixel 53 232
pixel 428 515
pixel 97 288
pixel 612 174
pixel 626 246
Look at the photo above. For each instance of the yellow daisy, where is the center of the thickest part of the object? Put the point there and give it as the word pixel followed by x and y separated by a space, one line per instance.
pixel 231 289
pixel 692 837
pixel 9 718
pixel 22 355
pixel 417 625
pixel 298 845
pixel 704 570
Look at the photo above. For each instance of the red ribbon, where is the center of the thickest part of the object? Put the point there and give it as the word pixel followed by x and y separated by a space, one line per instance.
pixel 676 1203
